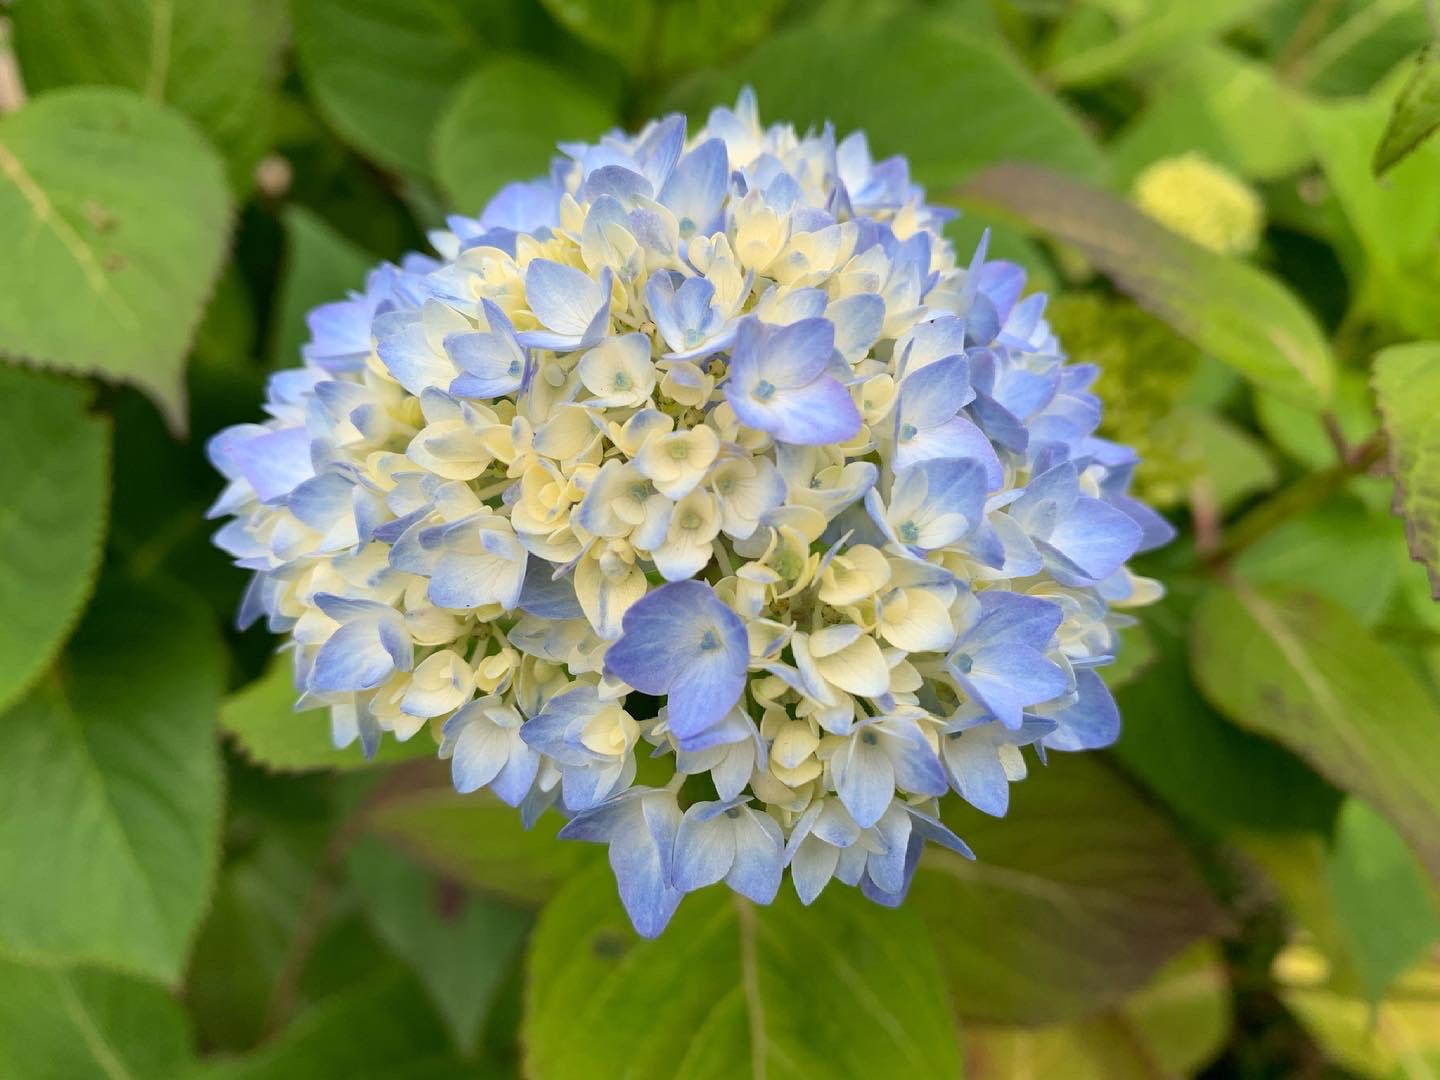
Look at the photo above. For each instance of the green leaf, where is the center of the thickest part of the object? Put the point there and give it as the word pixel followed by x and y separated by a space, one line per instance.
pixel 1416 115
pixel 1300 432
pixel 1172 1026
pixel 1397 221
pixel 1076 897
pixel 262 720
pixel 621 28
pixel 110 789
pixel 460 946
pixel 694 34
pixel 1350 43
pixel 503 124
pixel 1232 463
pixel 1167 27
pixel 79 1024
pixel 1305 672
pixel 214 60
pixel 1230 309
pixel 900 81
pixel 378 1029
pixel 115 214
pixel 1231 109
pixel 1339 551
pixel 843 988
pixel 321 266
pixel 381 70
pixel 1400 1039
pixel 52 519
pixel 1407 389
pixel 479 841
pixel 1211 772
pixel 1383 905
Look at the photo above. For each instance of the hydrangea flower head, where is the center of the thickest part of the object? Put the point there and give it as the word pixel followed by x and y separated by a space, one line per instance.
pixel 702 449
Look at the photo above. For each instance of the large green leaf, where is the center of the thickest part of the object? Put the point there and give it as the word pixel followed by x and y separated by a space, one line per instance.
pixel 1305 672
pixel 381 70
pixel 1384 908
pixel 1165 28
pixel 1407 389
pixel 842 989
pixel 262 720
pixel 320 266
pixel 214 60
pixel 622 28
pixel 1075 898
pixel 52 519
pixel 481 842
pixel 1230 309
pixel 110 789
pixel 902 81
pixel 503 125
pixel 1416 115
pixel 78 1024
pixel 113 215
pixel 460 945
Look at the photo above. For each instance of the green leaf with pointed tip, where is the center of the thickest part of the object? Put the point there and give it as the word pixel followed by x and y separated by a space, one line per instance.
pixel 110 789
pixel 1416 115
pixel 1083 891
pixel 503 124
pixel 52 518
pixel 262 720
pixel 621 28
pixel 381 70
pixel 1407 390
pixel 842 988
pixel 214 60
pixel 1228 308
pixel 321 266
pixel 80 1024
pixel 459 945
pixel 1384 908
pixel 1305 672
pixel 113 215
pixel 900 80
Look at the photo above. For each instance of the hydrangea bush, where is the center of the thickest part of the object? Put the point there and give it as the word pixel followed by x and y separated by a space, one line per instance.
pixel 701 458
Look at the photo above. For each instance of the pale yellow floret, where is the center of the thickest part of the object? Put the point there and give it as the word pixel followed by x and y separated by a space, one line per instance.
pixel 1203 202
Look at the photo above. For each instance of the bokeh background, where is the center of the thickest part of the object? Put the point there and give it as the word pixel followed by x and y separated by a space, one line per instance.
pixel 193 883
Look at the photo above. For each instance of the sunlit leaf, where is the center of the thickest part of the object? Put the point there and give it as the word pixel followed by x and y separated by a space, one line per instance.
pixel 114 213
pixel 1407 389
pixel 731 989
pixel 1305 672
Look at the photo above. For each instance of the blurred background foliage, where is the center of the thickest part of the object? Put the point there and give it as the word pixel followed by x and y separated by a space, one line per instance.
pixel 193 883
